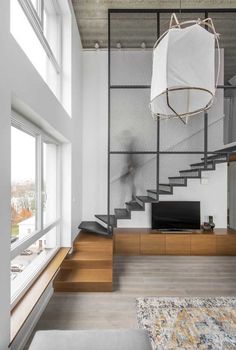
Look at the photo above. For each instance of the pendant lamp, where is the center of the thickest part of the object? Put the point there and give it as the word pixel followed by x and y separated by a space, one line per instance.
pixel 184 76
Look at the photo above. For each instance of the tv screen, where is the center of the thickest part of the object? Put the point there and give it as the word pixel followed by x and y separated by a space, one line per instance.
pixel 176 216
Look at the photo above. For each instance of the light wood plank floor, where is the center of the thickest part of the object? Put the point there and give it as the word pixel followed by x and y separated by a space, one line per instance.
pixel 136 277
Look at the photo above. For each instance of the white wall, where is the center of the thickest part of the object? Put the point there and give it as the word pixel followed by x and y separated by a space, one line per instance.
pixel 94 133
pixel 212 195
pixel 129 110
pixel 22 88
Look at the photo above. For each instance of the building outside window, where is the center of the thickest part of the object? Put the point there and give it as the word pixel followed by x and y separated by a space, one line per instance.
pixel 35 198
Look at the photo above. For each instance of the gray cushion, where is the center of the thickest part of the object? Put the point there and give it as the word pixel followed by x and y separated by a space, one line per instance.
pixel 130 339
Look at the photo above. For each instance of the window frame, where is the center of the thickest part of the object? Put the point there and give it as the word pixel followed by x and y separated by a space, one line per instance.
pixel 17 247
pixel 35 18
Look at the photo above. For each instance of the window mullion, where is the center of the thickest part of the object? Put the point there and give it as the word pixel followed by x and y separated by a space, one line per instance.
pixel 39 183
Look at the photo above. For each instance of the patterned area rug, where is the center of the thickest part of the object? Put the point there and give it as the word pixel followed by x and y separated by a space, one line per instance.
pixel 189 323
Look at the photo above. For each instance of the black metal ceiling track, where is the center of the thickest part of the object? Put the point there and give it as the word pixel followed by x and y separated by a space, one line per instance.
pixel 205 152
pixel 170 10
pixel 113 87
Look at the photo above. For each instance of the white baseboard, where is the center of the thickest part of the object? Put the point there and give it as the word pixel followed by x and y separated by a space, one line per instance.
pixel 28 327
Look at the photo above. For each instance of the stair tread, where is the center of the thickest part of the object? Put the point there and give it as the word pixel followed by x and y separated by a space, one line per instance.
pixel 190 170
pixel 146 199
pixel 87 237
pixel 160 191
pixel 134 206
pixel 104 218
pixel 85 275
pixel 93 226
pixel 176 177
pixel 121 213
pixel 90 255
pixel 215 157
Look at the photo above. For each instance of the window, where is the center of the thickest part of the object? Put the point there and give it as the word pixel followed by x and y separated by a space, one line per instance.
pixel 35 198
pixel 23 181
pixel 36 26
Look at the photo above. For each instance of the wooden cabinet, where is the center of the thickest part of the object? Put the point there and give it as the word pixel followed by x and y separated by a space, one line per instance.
pixel 178 244
pixel 226 245
pixel 152 244
pixel 203 244
pixel 147 242
pixel 127 244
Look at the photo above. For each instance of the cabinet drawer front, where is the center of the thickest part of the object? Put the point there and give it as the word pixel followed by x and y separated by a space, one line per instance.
pixel 177 244
pixel 226 245
pixel 127 244
pixel 203 245
pixel 152 244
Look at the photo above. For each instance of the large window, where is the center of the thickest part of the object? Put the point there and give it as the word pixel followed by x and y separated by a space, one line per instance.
pixel 36 26
pixel 35 198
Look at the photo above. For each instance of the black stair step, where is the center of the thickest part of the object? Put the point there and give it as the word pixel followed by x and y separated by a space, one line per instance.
pixel 190 171
pixel 184 183
pixel 121 213
pixel 176 177
pixel 216 157
pixel 160 191
pixel 210 162
pixel 95 227
pixel 104 218
pixel 134 206
pixel 146 199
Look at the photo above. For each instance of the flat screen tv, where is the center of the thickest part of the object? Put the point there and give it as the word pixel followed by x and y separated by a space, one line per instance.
pixel 176 216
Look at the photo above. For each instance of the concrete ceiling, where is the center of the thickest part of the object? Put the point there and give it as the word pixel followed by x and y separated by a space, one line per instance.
pixel 132 29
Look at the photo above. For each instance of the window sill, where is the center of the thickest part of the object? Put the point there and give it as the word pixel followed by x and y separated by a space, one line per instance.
pixel 24 307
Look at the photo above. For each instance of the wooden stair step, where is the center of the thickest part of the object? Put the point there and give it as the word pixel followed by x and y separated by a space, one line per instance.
pixel 90 242
pixel 84 280
pixel 90 260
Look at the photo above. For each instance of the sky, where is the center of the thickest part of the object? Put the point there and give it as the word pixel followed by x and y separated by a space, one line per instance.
pixel 22 156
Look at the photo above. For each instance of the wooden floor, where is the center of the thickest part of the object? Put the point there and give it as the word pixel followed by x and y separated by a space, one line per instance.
pixel 136 277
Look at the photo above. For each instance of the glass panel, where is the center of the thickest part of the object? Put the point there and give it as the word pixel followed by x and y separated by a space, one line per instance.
pixel 216 122
pixel 51 26
pixel 229 116
pixel 177 136
pixel 30 44
pixel 171 164
pixel 31 259
pixel 132 64
pixel 131 176
pixel 225 25
pixel 179 174
pixel 132 126
pixel 49 183
pixel 23 184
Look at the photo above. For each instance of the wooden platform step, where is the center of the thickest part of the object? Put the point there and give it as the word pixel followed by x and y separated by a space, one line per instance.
pixel 89 267
pixel 89 242
pixel 89 260
pixel 84 280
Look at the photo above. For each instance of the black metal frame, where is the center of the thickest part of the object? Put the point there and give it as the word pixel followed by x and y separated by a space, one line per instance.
pixel 205 152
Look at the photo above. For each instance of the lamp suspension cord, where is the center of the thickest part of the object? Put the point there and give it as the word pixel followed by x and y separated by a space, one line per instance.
pixel 180 6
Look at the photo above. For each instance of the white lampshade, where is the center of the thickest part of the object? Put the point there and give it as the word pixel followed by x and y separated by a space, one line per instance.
pixel 183 76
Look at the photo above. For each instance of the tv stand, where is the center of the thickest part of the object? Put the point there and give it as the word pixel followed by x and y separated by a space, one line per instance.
pixel 168 230
pixel 144 241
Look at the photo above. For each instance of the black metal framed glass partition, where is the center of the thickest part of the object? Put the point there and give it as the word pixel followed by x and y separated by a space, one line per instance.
pixel 132 132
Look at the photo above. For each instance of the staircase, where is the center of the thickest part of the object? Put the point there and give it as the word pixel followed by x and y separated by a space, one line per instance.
pixel 195 172
pixel 89 267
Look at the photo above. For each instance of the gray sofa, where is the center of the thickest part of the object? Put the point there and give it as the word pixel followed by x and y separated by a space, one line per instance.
pixel 130 339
